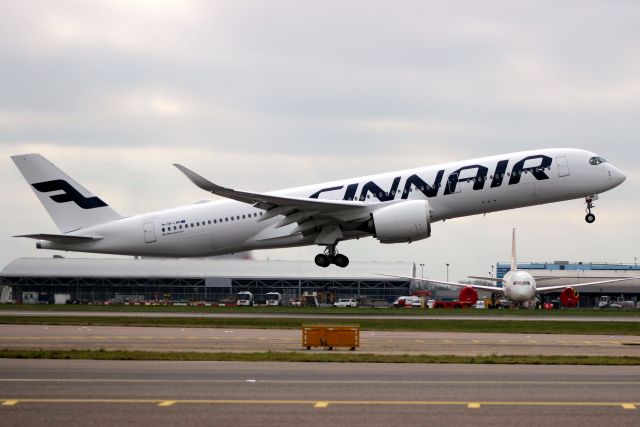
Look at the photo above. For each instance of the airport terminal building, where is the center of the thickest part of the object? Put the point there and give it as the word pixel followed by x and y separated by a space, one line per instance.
pixel 206 280
pixel 96 280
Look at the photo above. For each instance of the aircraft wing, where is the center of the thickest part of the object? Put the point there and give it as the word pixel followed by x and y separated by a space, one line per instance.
pixel 495 279
pixel 577 285
pixel 488 279
pixel 441 282
pixel 267 201
pixel 329 217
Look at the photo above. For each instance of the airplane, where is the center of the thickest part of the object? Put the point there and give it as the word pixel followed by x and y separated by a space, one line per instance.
pixel 395 207
pixel 517 285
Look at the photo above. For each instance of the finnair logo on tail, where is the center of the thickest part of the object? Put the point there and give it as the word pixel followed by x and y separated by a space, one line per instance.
pixel 69 194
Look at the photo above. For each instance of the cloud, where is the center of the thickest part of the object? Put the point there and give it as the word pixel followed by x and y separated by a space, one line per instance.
pixel 267 95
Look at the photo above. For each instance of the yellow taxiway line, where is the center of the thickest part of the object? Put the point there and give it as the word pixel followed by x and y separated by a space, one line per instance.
pixel 318 404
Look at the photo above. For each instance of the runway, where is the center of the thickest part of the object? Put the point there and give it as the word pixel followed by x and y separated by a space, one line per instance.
pixel 78 393
pixel 250 340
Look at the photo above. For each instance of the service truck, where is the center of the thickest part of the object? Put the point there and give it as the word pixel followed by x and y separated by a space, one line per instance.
pixel 273 298
pixel 244 298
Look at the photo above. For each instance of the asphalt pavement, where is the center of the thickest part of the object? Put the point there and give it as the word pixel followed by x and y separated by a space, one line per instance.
pixel 80 393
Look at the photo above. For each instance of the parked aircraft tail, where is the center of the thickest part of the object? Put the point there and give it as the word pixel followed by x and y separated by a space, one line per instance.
pixel 514 264
pixel 70 205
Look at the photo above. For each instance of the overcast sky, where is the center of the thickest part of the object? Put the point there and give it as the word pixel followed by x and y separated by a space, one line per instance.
pixel 262 95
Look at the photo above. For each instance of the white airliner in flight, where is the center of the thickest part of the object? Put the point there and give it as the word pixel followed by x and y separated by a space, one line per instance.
pixel 396 207
pixel 517 285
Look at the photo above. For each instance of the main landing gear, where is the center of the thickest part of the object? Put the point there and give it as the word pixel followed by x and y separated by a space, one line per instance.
pixel 331 256
pixel 589 200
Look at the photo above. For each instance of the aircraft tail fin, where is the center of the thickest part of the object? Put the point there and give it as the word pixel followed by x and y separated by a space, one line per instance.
pixel 514 264
pixel 70 205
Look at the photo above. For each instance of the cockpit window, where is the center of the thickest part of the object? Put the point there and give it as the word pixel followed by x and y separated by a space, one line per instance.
pixel 596 160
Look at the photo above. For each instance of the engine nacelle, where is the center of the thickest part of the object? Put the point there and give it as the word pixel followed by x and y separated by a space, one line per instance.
pixel 468 295
pixel 403 222
pixel 568 297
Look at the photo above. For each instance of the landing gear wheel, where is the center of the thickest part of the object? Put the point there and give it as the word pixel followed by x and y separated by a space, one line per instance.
pixel 331 256
pixel 589 201
pixel 322 260
pixel 341 260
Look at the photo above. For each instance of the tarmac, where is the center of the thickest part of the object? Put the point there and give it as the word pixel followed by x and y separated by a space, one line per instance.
pixel 252 340
pixel 85 392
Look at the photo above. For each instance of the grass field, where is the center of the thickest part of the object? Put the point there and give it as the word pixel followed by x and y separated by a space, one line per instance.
pixel 321 311
pixel 392 324
pixel 315 357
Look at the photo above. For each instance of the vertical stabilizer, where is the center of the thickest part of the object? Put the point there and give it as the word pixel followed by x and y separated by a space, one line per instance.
pixel 70 205
pixel 514 266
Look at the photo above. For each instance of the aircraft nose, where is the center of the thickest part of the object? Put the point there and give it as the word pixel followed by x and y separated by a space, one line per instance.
pixel 616 175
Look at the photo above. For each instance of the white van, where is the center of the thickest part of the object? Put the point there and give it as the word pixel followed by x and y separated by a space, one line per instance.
pixel 351 302
pixel 407 301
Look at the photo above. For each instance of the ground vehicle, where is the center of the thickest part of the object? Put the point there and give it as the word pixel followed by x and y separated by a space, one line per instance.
pixel 273 298
pixel 349 302
pixel 619 302
pixel 479 304
pixel 244 298
pixel 407 301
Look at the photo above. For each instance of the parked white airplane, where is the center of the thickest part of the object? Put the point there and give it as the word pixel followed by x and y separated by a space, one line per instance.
pixel 396 207
pixel 517 285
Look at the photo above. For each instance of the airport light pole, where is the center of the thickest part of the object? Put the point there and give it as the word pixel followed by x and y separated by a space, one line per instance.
pixel 422 271
pixel 447 272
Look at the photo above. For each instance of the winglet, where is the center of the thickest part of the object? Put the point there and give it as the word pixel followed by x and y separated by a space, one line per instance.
pixel 199 180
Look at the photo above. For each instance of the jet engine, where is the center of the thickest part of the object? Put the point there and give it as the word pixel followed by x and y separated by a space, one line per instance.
pixel 569 297
pixel 468 295
pixel 402 222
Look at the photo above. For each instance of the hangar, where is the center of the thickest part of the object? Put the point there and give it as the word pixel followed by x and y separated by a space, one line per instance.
pixel 207 280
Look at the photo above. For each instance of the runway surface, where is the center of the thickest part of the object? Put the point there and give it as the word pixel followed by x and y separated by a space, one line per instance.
pixel 249 340
pixel 421 316
pixel 79 393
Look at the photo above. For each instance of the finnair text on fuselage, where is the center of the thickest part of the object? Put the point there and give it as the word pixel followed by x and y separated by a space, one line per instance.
pixel 541 163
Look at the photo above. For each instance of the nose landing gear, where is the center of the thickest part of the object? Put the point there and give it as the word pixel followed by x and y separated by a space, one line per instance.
pixel 331 256
pixel 589 217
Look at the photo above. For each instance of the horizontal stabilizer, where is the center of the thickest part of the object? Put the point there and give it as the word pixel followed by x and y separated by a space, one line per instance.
pixel 61 238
